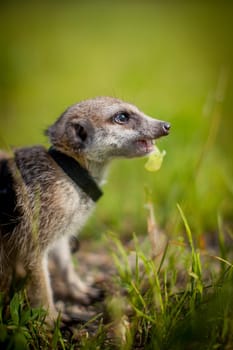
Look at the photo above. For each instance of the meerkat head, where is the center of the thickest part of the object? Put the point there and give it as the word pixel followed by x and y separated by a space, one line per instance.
pixel 103 128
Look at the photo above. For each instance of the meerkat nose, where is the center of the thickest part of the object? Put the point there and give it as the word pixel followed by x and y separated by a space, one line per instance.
pixel 166 128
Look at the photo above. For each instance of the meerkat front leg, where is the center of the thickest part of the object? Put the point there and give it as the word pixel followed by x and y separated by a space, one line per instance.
pixel 76 288
pixel 39 290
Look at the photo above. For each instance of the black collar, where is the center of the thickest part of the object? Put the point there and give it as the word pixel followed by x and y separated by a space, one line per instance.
pixel 77 173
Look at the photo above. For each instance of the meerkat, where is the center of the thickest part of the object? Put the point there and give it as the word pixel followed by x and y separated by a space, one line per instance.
pixel 46 196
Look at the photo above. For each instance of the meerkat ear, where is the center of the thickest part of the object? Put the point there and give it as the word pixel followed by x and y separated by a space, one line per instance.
pixel 73 135
pixel 81 132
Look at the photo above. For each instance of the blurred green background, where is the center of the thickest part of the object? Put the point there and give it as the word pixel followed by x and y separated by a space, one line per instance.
pixel 172 59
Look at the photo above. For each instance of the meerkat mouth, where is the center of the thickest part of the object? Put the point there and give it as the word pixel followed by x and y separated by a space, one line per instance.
pixel 145 146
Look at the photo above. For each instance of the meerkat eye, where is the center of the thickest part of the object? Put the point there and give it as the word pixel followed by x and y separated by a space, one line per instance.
pixel 121 118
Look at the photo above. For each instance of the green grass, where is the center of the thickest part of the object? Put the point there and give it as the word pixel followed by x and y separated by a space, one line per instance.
pixel 169 315
pixel 173 60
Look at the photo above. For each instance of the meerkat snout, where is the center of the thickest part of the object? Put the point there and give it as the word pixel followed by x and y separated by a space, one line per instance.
pixel 46 196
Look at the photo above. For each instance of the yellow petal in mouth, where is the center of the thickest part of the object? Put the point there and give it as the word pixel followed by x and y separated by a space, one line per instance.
pixel 155 160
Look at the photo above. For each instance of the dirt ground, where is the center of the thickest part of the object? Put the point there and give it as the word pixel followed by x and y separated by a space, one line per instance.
pixel 95 267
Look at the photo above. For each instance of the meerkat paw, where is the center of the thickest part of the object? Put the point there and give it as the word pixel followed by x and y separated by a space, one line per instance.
pixel 82 292
pixel 52 317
